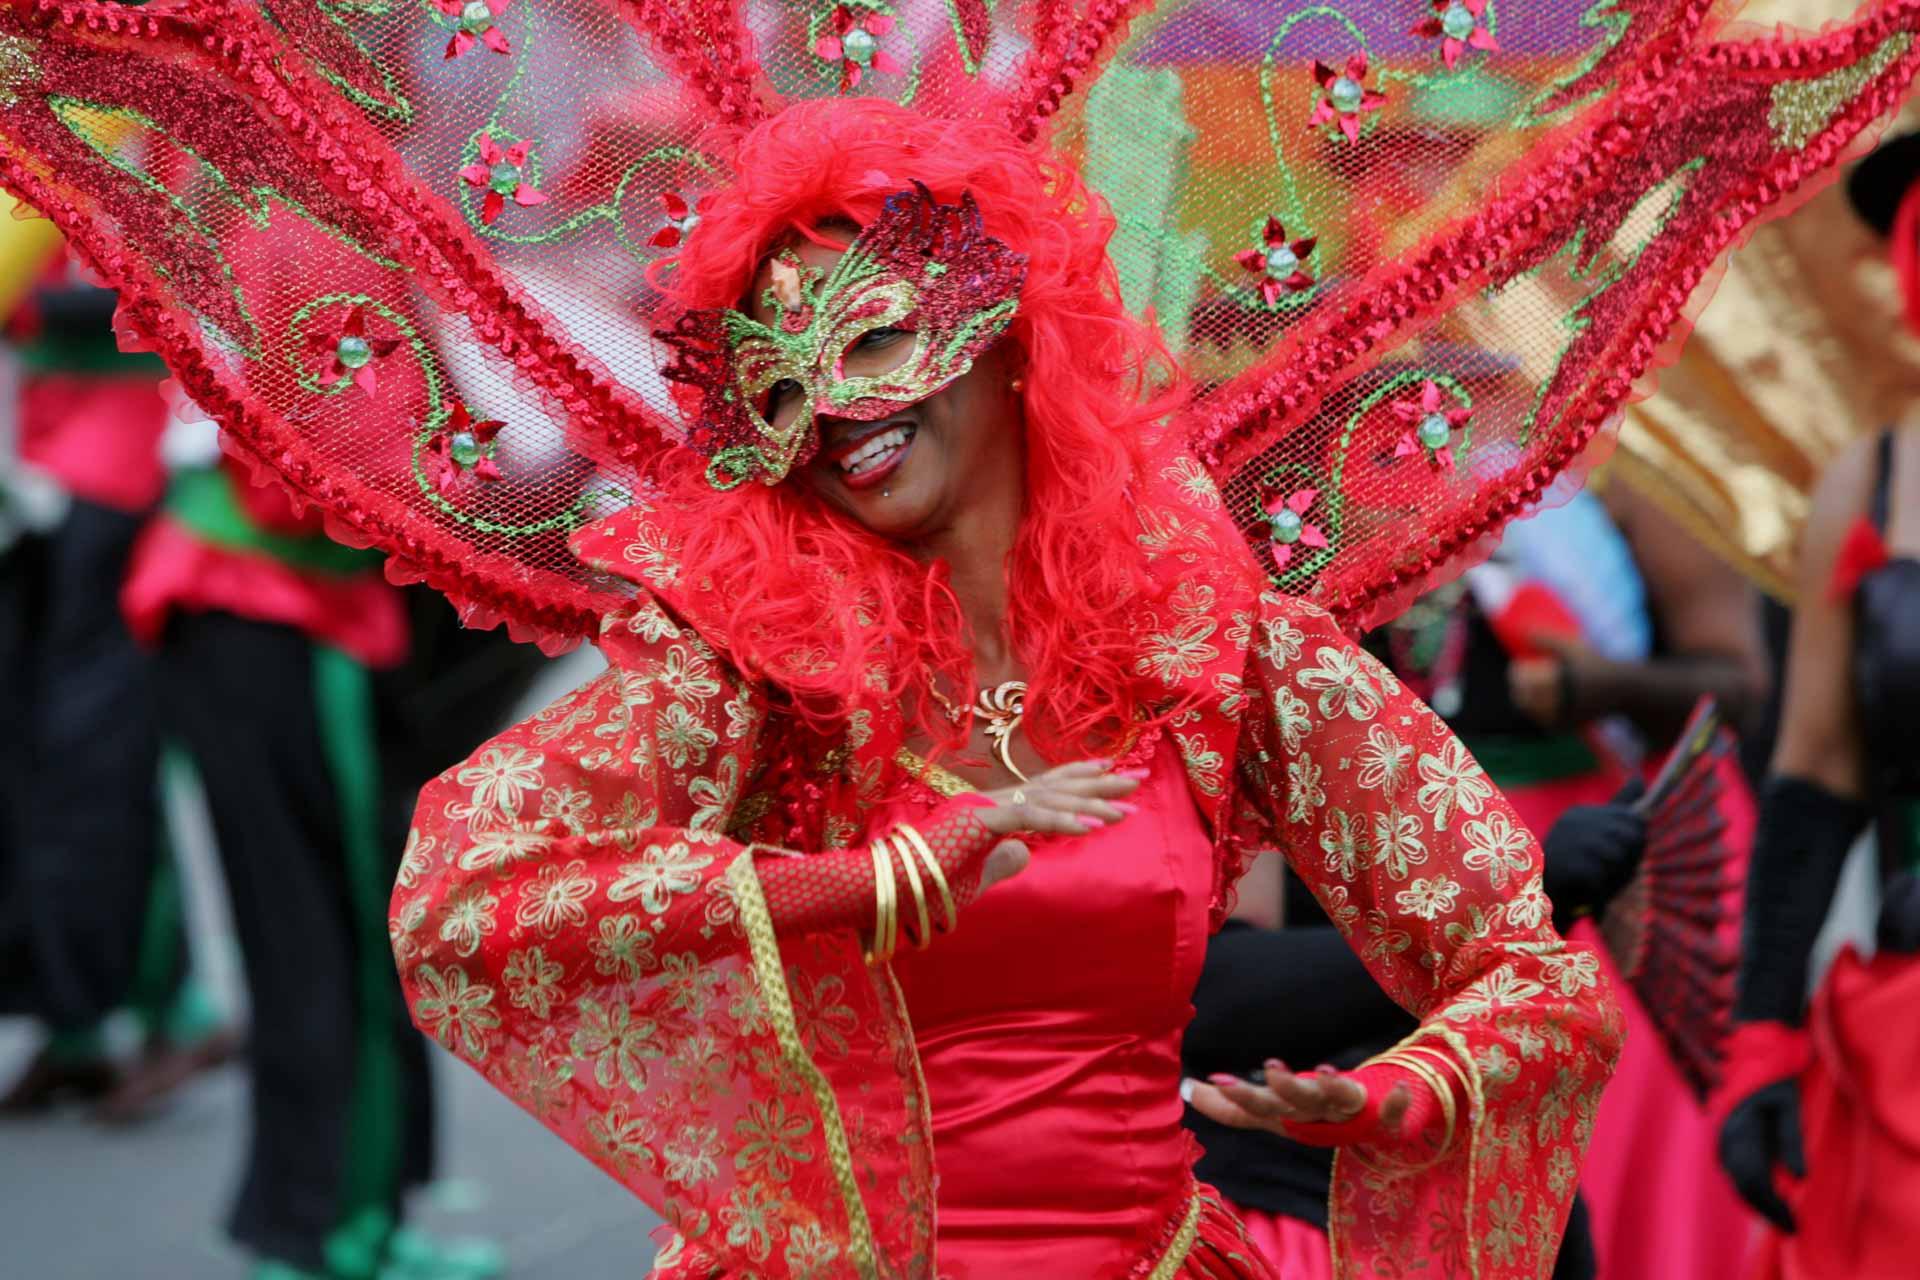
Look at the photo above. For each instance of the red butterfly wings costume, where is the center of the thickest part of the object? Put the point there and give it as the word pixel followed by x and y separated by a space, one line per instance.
pixel 1414 259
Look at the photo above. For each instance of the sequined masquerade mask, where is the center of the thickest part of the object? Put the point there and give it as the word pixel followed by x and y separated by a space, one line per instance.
pixel 914 300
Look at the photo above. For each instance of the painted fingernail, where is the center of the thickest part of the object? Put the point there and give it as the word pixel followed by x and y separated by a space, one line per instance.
pixel 1222 1078
pixel 1186 1089
pixel 1138 773
pixel 1274 1064
pixel 1124 806
pixel 1327 1069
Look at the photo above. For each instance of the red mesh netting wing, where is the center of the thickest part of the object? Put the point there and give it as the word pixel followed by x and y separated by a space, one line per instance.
pixel 1417 260
pixel 1415 256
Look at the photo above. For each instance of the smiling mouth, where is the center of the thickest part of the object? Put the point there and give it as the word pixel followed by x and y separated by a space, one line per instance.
pixel 873 451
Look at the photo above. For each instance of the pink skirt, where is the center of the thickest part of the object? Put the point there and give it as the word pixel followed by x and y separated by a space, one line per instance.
pixel 1297 1250
pixel 1859 1208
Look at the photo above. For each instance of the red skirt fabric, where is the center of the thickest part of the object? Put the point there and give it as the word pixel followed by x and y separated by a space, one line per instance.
pixel 1220 1248
pixel 1224 1248
pixel 1296 1250
pixel 1859 1206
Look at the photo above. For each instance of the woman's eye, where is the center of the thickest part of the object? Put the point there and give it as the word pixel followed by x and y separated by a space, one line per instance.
pixel 777 396
pixel 879 338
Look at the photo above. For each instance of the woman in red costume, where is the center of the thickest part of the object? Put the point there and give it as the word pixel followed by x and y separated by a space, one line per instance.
pixel 916 576
pixel 575 925
pixel 1821 1133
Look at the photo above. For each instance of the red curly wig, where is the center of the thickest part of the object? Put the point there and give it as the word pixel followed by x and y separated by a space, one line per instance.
pixel 832 611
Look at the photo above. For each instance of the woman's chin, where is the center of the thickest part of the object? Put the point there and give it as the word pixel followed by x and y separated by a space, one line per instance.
pixel 898 511
pixel 894 505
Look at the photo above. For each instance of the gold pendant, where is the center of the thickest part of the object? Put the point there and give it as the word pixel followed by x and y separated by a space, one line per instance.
pixel 1002 707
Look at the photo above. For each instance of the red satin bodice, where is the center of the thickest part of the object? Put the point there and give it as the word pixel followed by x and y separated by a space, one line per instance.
pixel 1049 1032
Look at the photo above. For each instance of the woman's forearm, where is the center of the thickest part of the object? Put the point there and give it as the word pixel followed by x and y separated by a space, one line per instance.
pixel 838 889
pixel 1657 693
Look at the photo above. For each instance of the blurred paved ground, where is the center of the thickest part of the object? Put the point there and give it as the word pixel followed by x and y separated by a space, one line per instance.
pixel 78 1202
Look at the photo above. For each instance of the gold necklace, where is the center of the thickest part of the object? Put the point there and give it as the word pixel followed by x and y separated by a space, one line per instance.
pixel 953 712
pixel 1003 707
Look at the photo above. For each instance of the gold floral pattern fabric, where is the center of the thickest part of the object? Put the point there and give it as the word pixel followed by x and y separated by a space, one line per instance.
pixel 572 921
pixel 1437 885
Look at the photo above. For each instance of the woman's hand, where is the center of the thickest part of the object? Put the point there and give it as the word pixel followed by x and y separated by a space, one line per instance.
pixel 1591 852
pixel 1537 686
pixel 1070 800
pixel 1324 1108
pixel 1760 1136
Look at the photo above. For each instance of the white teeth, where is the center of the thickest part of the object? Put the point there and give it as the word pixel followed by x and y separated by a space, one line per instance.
pixel 874 449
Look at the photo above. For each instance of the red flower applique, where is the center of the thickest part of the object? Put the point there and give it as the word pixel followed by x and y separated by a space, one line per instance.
pixel 1459 22
pixel 461 453
pixel 1430 425
pixel 503 173
pixel 1344 96
pixel 473 22
pixel 855 45
pixel 681 219
pixel 1287 519
pixel 1278 262
pixel 352 350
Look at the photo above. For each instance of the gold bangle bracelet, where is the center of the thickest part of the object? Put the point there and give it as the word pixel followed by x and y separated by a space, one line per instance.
pixel 885 908
pixel 1442 1087
pixel 907 861
pixel 911 839
pixel 1435 1059
pixel 893 901
pixel 1442 1090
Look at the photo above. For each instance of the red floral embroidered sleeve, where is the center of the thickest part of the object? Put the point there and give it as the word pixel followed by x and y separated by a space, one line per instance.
pixel 1437 885
pixel 690 1012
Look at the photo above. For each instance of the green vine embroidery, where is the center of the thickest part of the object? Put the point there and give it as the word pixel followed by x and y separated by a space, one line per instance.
pixel 440 411
pixel 1331 497
pixel 390 103
pixel 1613 22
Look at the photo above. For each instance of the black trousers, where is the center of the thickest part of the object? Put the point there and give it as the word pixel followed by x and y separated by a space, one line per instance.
pixel 79 808
pixel 284 736
pixel 311 765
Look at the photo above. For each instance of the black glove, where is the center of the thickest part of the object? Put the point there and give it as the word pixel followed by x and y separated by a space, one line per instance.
pixel 1591 852
pixel 1763 1130
pixel 1805 832
pixel 1899 930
